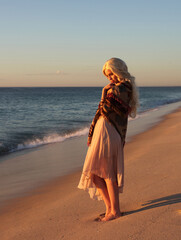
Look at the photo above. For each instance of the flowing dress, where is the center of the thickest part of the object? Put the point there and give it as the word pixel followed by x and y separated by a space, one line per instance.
pixel 105 158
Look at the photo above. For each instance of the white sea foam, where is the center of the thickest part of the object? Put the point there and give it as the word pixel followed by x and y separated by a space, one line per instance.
pixel 52 138
pixel 145 113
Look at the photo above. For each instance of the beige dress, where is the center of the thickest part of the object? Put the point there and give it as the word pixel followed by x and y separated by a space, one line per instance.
pixel 105 158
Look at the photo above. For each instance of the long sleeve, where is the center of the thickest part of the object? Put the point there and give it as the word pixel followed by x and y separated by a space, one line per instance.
pixel 92 126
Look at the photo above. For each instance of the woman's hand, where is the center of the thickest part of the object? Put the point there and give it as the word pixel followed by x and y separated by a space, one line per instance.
pixel 105 89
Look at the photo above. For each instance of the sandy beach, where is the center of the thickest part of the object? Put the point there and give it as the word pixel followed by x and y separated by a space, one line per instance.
pixel 151 199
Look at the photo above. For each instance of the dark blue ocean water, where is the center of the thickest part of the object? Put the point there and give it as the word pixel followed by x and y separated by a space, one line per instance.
pixel 30 117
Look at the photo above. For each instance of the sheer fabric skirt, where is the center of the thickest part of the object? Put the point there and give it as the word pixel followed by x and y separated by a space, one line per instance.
pixel 105 158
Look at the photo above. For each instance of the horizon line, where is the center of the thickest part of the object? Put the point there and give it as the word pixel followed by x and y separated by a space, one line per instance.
pixel 81 86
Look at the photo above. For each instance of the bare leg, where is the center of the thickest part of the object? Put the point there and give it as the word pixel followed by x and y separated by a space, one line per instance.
pixel 102 188
pixel 113 192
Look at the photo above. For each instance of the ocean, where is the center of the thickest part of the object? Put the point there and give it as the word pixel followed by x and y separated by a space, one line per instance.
pixel 30 117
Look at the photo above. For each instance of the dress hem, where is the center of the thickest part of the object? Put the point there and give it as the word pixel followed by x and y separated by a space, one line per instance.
pixel 87 185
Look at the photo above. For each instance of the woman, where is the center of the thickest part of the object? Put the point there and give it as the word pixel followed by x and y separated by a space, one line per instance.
pixel 103 171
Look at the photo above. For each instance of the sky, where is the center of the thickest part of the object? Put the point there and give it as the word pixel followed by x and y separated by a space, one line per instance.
pixel 54 43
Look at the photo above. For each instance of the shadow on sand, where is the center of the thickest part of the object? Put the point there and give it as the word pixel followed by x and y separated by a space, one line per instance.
pixel 159 202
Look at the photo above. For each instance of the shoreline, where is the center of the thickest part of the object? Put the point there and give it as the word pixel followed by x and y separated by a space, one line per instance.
pixel 151 199
pixel 24 171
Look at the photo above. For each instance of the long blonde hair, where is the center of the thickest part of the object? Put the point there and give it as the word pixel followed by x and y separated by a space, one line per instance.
pixel 120 69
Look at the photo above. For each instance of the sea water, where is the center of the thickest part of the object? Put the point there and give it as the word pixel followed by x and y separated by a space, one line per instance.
pixel 30 117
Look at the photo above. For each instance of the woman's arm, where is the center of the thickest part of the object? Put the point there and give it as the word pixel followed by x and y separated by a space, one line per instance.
pixel 91 129
pixel 105 89
pixel 98 112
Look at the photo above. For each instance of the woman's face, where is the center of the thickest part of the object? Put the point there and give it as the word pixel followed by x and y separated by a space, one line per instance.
pixel 110 75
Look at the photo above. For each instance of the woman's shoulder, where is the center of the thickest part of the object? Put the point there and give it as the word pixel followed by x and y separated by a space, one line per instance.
pixel 127 84
pixel 124 86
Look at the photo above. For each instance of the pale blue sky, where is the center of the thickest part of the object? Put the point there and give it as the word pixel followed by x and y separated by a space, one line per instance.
pixel 66 43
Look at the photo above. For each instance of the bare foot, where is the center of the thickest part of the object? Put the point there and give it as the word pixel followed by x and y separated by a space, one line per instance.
pixel 111 217
pixel 102 215
pixel 108 211
pixel 105 214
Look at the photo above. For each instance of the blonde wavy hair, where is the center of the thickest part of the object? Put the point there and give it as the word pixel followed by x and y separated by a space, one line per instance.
pixel 120 69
